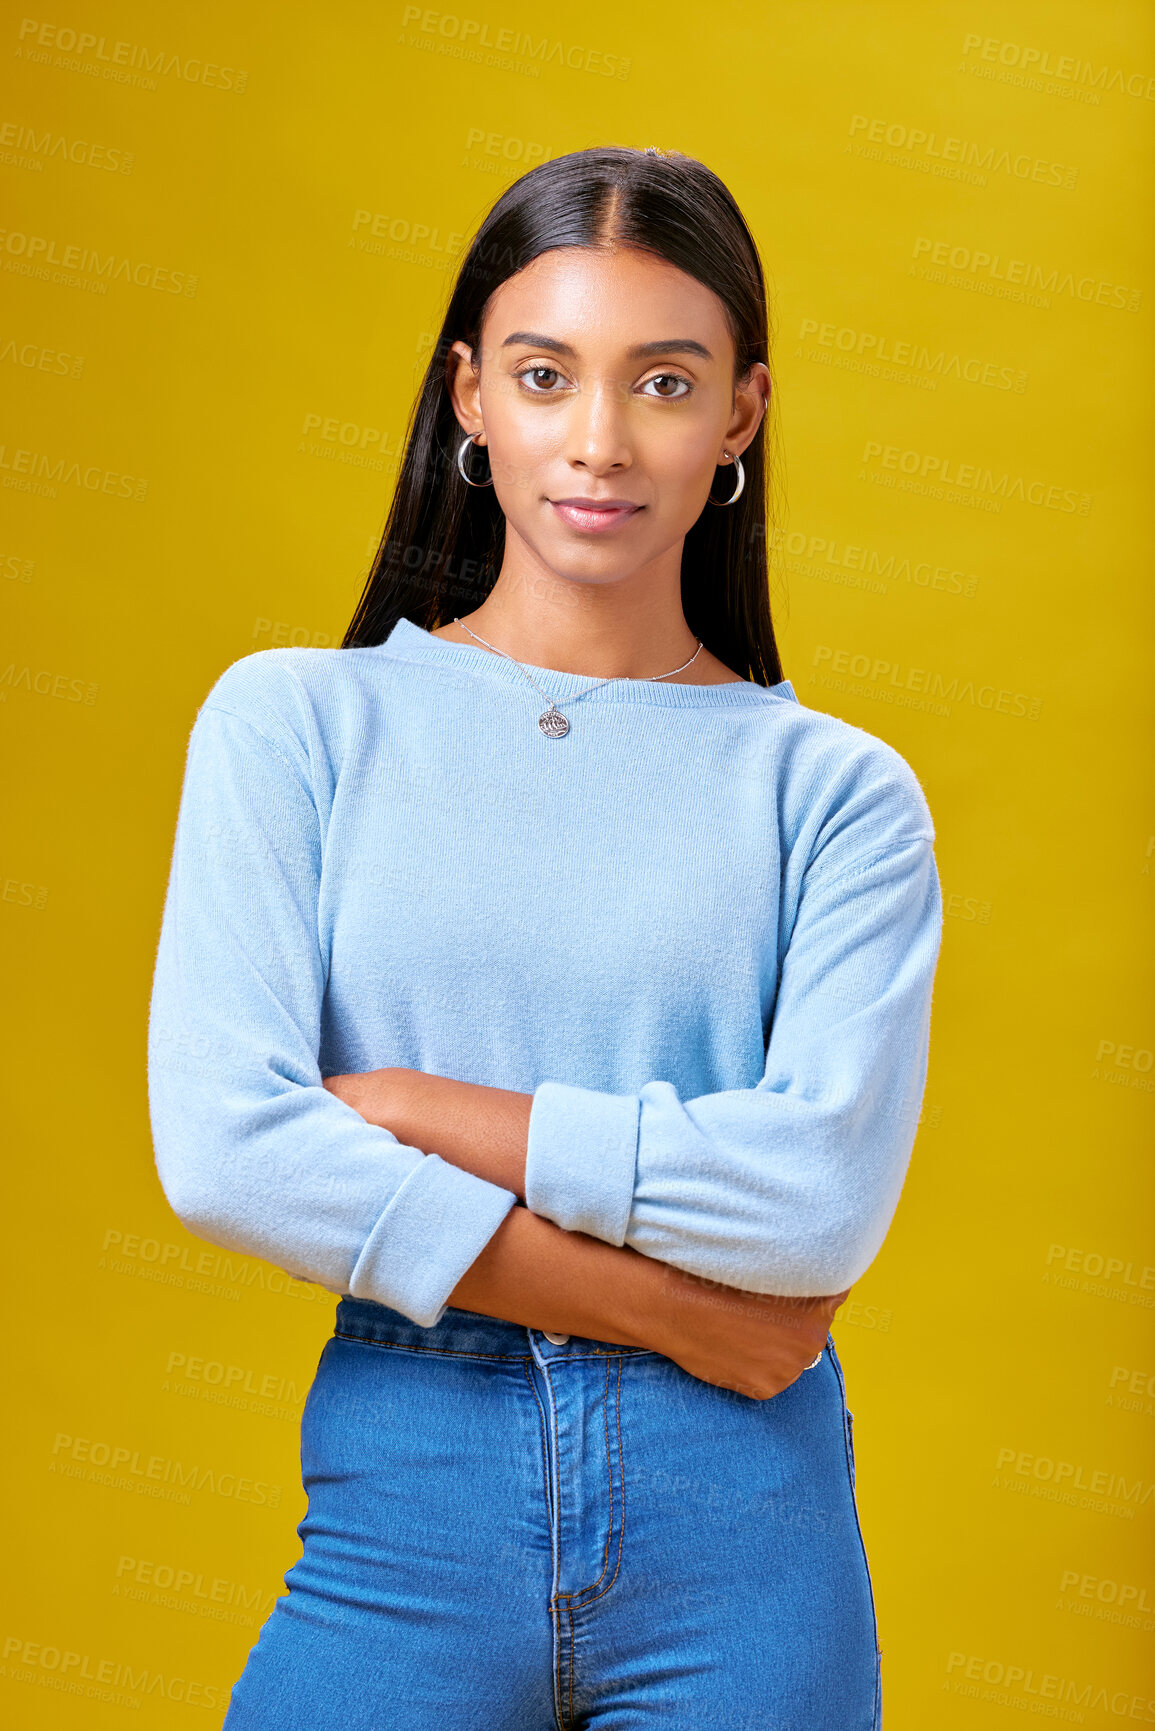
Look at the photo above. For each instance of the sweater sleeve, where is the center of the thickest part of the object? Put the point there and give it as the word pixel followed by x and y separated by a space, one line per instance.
pixel 253 1152
pixel 788 1186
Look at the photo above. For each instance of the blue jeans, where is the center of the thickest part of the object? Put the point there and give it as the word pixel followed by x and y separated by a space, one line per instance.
pixel 508 1534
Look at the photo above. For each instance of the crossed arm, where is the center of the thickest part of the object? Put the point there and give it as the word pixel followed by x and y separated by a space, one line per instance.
pixel 534 1273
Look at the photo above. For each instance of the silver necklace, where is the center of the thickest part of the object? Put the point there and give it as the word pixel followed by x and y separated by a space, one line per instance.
pixel 551 721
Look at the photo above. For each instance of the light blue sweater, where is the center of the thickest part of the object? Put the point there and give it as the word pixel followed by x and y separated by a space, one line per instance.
pixel 701 930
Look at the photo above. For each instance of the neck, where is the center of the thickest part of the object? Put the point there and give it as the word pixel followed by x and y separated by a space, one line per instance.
pixel 631 628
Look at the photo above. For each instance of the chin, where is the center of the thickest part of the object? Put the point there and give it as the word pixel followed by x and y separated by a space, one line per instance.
pixel 587 565
pixel 591 573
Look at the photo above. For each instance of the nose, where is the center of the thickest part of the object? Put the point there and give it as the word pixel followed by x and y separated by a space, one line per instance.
pixel 596 434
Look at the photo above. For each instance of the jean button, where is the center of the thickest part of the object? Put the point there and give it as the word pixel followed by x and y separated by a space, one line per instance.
pixel 556 1339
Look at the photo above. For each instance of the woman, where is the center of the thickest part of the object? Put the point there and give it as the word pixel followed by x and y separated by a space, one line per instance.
pixel 559 990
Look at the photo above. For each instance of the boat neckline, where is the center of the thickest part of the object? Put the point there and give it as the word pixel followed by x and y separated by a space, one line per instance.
pixel 410 642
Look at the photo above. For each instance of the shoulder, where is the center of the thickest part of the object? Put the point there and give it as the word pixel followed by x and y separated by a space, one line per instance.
pixel 835 776
pixel 278 686
pixel 296 700
pixel 276 681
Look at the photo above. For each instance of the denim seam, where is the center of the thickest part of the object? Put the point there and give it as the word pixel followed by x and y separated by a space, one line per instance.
pixel 622 1516
pixel 525 1363
pixel 876 1719
pixel 613 1352
pixel 578 1591
pixel 622 1475
pixel 507 1357
pixel 554 1606
pixel 569 1613
pixel 441 1351
pixel 564 1602
pixel 552 1514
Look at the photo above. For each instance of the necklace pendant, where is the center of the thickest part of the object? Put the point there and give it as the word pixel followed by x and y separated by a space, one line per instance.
pixel 553 723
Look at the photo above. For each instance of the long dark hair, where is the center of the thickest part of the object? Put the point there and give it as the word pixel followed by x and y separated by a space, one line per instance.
pixel 442 546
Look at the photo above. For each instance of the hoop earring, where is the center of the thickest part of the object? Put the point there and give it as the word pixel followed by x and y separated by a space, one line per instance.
pixel 461 450
pixel 737 493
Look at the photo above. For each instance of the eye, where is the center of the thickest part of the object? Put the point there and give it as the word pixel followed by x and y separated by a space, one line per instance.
pixel 545 380
pixel 671 387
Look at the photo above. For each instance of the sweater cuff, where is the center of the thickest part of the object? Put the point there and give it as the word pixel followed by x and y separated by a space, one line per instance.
pixel 581 1158
pixel 438 1222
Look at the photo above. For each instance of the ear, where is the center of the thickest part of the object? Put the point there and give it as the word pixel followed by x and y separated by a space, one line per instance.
pixel 751 400
pixel 463 382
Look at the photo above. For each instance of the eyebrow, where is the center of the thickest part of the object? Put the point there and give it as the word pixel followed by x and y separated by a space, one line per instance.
pixel 640 351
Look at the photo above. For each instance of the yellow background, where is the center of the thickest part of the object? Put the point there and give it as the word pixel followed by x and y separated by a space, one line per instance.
pixel 999 1352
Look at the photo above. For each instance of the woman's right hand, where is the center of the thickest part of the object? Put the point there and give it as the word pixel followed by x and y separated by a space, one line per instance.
pixel 754 1343
pixel 535 1274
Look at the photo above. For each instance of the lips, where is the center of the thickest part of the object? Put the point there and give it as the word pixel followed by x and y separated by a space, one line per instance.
pixel 594 514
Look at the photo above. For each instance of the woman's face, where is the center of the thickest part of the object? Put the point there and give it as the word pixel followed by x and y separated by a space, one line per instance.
pixel 605 391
